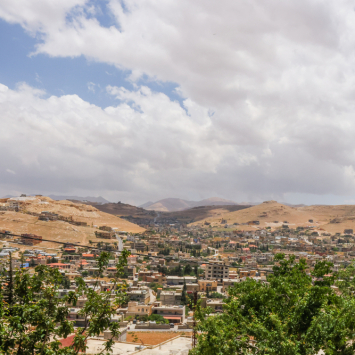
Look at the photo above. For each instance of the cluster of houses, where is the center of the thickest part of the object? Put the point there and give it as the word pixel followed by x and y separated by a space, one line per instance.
pixel 169 267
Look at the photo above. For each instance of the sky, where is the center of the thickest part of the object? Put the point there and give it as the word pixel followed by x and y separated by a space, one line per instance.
pixel 147 99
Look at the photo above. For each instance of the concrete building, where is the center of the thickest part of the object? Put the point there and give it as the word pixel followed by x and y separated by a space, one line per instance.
pixel 172 298
pixel 179 280
pixel 174 314
pixel 209 285
pixel 140 296
pixel 140 309
pixel 216 271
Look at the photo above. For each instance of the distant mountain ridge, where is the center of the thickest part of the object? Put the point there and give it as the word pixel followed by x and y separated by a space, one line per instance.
pixel 177 204
pixel 78 198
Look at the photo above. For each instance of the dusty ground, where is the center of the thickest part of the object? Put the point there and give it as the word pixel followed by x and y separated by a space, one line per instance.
pixel 151 338
pixel 274 214
pixel 180 346
pixel 19 223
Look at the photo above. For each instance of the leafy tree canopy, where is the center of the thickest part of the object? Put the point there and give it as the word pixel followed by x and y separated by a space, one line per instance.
pixel 34 316
pixel 292 313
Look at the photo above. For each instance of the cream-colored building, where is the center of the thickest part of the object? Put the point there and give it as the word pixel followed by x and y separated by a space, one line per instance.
pixel 140 309
pixel 209 285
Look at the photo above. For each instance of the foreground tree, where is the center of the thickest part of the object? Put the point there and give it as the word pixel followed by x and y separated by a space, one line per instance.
pixel 289 314
pixel 33 316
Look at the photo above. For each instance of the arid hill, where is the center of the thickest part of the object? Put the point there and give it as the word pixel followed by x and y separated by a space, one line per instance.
pixel 141 216
pixel 24 222
pixel 177 204
pixel 331 219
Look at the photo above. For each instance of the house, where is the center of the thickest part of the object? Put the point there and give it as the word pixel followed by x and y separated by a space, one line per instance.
pixel 137 308
pixel 215 304
pixel 216 270
pixel 170 298
pixel 174 314
pixel 30 239
pixel 88 256
pixel 179 280
pixel 210 285
pixel 141 296
pixel 60 266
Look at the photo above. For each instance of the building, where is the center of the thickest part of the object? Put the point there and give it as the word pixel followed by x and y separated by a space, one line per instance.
pixel 140 309
pixel 179 280
pixel 227 283
pixel 30 239
pixel 140 296
pixel 174 314
pixel 216 271
pixel 105 235
pixel 170 298
pixel 215 304
pixel 209 285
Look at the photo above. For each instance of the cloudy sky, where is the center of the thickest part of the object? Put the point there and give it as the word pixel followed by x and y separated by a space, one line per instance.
pixel 145 99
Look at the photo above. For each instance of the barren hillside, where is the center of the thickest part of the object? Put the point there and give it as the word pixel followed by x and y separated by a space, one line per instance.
pixel 142 216
pixel 330 219
pixel 177 204
pixel 23 222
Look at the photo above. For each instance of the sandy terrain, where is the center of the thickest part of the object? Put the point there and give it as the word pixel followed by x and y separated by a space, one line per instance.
pixel 19 223
pixel 151 338
pixel 274 214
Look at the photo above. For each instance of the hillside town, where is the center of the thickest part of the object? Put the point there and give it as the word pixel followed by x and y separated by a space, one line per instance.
pixel 170 266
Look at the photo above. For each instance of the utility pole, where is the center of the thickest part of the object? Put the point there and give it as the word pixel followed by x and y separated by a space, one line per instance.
pixel 194 324
pixel 10 284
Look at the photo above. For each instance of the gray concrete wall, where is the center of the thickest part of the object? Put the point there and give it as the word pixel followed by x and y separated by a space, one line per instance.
pixel 121 337
pixel 152 326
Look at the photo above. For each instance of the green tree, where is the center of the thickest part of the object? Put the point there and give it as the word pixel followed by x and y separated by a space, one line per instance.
pixel 196 270
pixel 187 269
pixel 158 318
pixel 34 316
pixel 65 282
pixel 287 315
pixel 183 295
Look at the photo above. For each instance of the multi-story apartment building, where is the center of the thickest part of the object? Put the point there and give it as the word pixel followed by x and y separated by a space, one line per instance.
pixel 172 298
pixel 216 270
pixel 141 296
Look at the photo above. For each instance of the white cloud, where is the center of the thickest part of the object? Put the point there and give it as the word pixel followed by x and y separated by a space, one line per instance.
pixel 91 87
pixel 277 76
pixel 149 146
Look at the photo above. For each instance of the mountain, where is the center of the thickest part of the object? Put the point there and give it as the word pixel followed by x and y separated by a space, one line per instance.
pixel 59 230
pixel 177 204
pixel 324 219
pixel 147 204
pixel 78 198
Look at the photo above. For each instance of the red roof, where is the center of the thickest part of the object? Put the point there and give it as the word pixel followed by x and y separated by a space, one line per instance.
pixel 67 341
pixel 91 255
pixel 56 264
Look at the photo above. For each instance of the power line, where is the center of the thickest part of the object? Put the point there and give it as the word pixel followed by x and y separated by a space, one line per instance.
pixel 90 247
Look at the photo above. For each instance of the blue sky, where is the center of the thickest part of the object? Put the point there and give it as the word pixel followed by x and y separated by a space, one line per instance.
pixel 64 76
pixel 143 100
